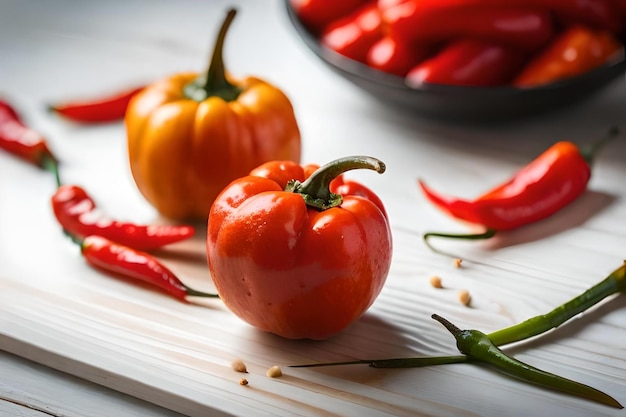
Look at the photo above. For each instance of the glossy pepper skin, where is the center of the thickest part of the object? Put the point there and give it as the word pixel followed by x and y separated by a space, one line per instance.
pixel 76 212
pixel 467 62
pixel 575 51
pixel 112 257
pixel 21 140
pixel 602 14
pixel 395 56
pixel 316 15
pixel 105 109
pixel 189 136
pixel 355 34
pixel 287 266
pixel 527 28
pixel 547 184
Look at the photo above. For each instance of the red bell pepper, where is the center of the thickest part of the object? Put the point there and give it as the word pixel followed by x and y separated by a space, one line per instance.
pixel 317 14
pixel 354 35
pixel 575 51
pixel 524 27
pixel 468 62
pixel 299 257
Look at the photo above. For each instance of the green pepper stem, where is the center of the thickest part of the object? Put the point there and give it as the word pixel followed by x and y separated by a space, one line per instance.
pixel 215 83
pixel 49 163
pixel 590 151
pixel 489 233
pixel 316 189
pixel 195 293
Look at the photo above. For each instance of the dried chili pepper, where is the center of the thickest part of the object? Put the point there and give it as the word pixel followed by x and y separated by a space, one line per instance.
pixel 76 212
pixel 477 346
pixel 614 283
pixel 575 51
pixel 121 260
pixel 104 109
pixel 21 140
pixel 547 184
pixel 467 62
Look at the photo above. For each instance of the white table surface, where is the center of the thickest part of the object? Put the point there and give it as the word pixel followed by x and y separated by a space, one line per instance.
pixel 138 352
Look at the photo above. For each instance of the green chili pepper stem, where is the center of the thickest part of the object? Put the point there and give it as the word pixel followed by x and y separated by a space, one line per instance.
pixel 589 152
pixel 195 293
pixel 215 83
pixel 614 283
pixel 489 233
pixel 479 347
pixel 394 363
pixel 49 163
pixel 316 189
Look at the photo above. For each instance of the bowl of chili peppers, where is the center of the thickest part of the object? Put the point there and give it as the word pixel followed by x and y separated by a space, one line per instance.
pixel 468 59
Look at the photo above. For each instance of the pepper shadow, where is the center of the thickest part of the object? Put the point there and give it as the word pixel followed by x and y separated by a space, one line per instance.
pixel 577 213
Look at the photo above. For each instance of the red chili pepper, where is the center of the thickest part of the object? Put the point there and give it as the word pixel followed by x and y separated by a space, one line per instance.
pixel 121 260
pixel 354 35
pixel 105 109
pixel 546 185
pixel 575 51
pixel 317 14
pixel 524 27
pixel 400 14
pixel 76 212
pixel 395 56
pixel 21 140
pixel 468 62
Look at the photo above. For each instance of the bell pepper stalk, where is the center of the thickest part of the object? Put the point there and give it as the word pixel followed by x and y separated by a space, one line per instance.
pixel 613 284
pixel 189 135
pixel 299 251
pixel 542 188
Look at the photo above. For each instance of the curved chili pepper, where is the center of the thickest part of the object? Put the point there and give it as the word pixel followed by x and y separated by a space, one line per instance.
pixel 575 51
pixel 21 140
pixel 467 62
pixel 550 182
pixel 478 347
pixel 354 35
pixel 121 260
pixel 614 283
pixel 104 109
pixel 524 27
pixel 76 212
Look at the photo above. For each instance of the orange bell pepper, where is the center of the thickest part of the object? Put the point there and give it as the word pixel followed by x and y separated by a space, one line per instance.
pixel 188 136
pixel 296 253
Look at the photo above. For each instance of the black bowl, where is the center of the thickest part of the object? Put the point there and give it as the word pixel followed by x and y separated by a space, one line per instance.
pixel 462 102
